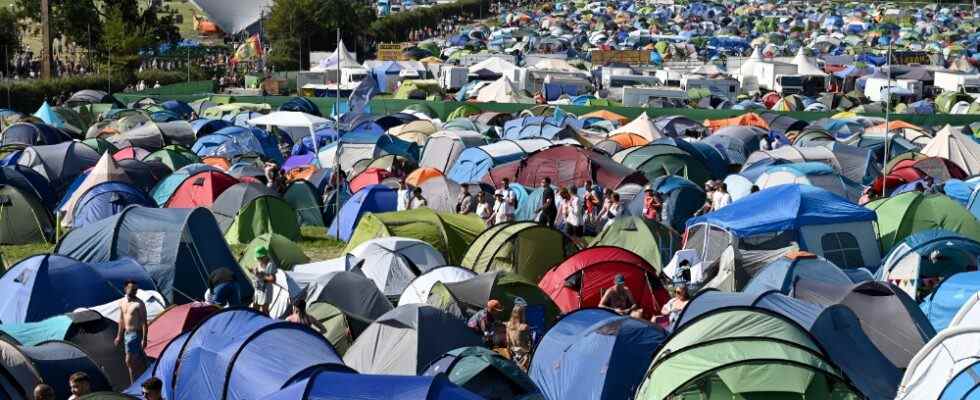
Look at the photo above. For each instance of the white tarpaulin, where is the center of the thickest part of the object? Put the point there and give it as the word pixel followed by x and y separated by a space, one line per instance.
pixel 233 16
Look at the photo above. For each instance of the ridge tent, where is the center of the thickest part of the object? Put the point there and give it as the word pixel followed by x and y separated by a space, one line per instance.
pixel 902 215
pixel 817 220
pixel 369 200
pixel 254 366
pixel 49 362
pixel 345 302
pixel 393 262
pixel 910 261
pixel 59 163
pixel 594 354
pixel 465 298
pixel 581 280
pixel 189 188
pixel 23 218
pixel 88 330
pixel 105 200
pixel 417 291
pixel 173 322
pixel 406 339
pixel 323 384
pixel 523 248
pixel 949 297
pixel 566 165
pixel 247 210
pixel 179 248
pixel 43 286
pixel 449 233
pixel 943 365
pixel 483 372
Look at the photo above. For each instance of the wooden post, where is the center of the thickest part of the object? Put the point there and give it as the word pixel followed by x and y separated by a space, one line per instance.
pixel 45 41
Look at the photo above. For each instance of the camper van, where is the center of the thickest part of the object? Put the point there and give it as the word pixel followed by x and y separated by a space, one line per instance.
pixel 641 96
pixel 726 88
pixel 873 87
pixel 453 78
pixel 953 81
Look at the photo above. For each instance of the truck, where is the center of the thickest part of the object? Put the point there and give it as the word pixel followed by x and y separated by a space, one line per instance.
pixel 954 81
pixel 873 87
pixel 769 75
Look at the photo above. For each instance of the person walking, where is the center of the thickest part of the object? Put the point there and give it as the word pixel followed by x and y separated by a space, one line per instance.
pixel 571 213
pixel 132 330
pixel 503 211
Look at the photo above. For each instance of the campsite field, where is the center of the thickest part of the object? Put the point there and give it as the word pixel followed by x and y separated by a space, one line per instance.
pixel 314 242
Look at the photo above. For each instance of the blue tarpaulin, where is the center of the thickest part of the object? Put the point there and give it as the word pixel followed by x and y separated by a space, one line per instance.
pixel 326 385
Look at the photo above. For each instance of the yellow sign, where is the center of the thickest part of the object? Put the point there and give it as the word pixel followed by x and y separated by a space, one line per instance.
pixel 630 57
pixel 392 51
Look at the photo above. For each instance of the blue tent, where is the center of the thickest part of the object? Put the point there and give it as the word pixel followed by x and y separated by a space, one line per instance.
pixel 43 286
pixel 374 198
pixel 963 386
pixel 240 354
pixel 24 134
pixel 33 333
pixel 178 108
pixel 941 306
pixel 29 181
pixel 47 114
pixel 107 199
pixel 549 127
pixel 179 247
pixel 384 144
pixel 50 362
pixel 913 255
pixel 327 385
pixel 204 126
pixel 385 75
pixel 324 135
pixel 681 197
pixel 710 156
pixel 785 273
pixel 788 208
pixel 475 162
pixel 234 141
pixel 301 104
pixel 595 354
pixel 835 328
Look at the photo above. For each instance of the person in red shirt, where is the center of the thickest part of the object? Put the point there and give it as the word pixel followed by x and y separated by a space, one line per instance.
pixel 651 205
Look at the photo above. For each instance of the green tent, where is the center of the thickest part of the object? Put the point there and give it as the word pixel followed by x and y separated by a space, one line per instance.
pixel 653 241
pixel 262 215
pixel 337 323
pixel 467 297
pixel 174 156
pixel 304 198
pixel 484 372
pixel 285 252
pixel 23 219
pixel 100 145
pixel 463 111
pixel 524 248
pixel 449 233
pixel 408 90
pixel 946 100
pixel 745 354
pixel 902 215
pixel 656 160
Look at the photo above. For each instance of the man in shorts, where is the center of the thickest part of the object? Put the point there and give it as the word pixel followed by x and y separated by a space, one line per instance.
pixel 132 329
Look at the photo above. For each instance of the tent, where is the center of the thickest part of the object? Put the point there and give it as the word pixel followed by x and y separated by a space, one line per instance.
pixel 49 362
pixel 29 181
pixel 59 163
pixel 449 233
pixel 89 331
pixel 741 352
pixel 179 248
pixel 193 186
pixel 105 200
pixel 484 372
pixel 361 144
pixel 172 323
pixel 956 147
pixel 405 340
pixel 910 262
pixel 297 124
pixel 444 147
pixel 232 19
pixel 949 297
pixel 236 141
pixel 324 384
pixel 23 217
pixel 307 201
pixel 345 302
pixel 474 163
pixel 524 248
pixel 902 215
pixel 817 220
pixel 810 173
pixel 371 199
pixel 174 156
pixel 245 211
pixel 43 286
pixel 465 298
pixel 736 142
pixel 582 279
pixel 661 159
pixel 944 368
pixel 796 268
pixel 393 262
pixel 681 199
pixel 565 165
pixel 595 354
pixel 642 126
pixel 254 368
pixel 442 194
pixel 285 252
pixel 502 91
pixel 636 234
pixel 417 291
pixel 25 134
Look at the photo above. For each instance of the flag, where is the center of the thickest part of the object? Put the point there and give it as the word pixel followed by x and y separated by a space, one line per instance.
pixel 251 50
pixel 362 94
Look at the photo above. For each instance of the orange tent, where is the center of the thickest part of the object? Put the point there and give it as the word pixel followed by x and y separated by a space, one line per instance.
pixel 893 126
pixel 419 176
pixel 627 140
pixel 607 115
pixel 217 162
pixel 747 119
pixel 300 173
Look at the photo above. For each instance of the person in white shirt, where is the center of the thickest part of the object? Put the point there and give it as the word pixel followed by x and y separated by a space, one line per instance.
pixel 720 198
pixel 508 194
pixel 404 196
pixel 571 213
pixel 614 210
pixel 503 211
pixel 483 207
pixel 417 200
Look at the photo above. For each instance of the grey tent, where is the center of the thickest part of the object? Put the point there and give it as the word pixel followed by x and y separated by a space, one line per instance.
pixel 155 135
pixel 407 339
pixel 178 247
pixel 441 193
pixel 350 294
pixel 59 163
pixel 23 367
pixel 736 142
pixel 89 96
pixel 443 148
pixel 236 16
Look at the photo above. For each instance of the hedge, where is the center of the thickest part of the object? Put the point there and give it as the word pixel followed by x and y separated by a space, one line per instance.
pixel 396 27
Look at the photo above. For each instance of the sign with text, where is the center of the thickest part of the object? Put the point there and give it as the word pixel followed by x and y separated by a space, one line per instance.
pixel 630 57
pixel 911 57
pixel 392 51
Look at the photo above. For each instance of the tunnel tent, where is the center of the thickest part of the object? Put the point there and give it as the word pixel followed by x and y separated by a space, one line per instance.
pixel 178 247
pixel 450 233
pixel 48 362
pixel 245 211
pixel 524 248
pixel 483 372
pixel 23 218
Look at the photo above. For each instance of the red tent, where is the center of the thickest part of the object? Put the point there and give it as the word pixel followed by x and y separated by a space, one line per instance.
pixel 370 176
pixel 172 322
pixel 580 280
pixel 200 189
pixel 566 165
pixel 136 153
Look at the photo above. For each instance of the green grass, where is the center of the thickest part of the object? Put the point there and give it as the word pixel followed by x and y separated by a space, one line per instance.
pixel 314 242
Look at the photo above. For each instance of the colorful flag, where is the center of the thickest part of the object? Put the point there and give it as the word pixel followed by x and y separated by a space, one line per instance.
pixel 251 50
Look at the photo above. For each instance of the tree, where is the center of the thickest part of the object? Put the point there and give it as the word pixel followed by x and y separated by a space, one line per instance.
pixel 9 38
pixel 296 27
pixel 121 41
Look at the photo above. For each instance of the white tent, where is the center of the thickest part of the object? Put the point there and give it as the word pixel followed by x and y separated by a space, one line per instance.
pixel 393 262
pixel 106 170
pixel 153 300
pixel 946 355
pixel 496 65
pixel 805 66
pixel 642 126
pixel 956 147
pixel 234 16
pixel 501 91
pixel 417 292
pixel 347 60
pixel 297 124
pixel 551 64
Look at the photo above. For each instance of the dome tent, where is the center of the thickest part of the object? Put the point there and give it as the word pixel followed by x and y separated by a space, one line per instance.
pixel 173 322
pixel 247 210
pixel 449 233
pixel 393 262
pixel 23 217
pixel 910 261
pixel 346 303
pixel 636 234
pixel 902 215
pixel 419 289
pixel 371 199
pixel 326 384
pixel 49 362
pixel 178 247
pixel 465 298
pixel 484 372
pixel 524 248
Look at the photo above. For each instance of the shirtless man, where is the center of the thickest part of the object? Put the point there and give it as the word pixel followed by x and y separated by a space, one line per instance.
pixel 132 329
pixel 618 298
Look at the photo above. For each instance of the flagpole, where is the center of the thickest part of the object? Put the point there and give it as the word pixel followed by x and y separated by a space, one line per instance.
pixel 888 102
pixel 337 103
